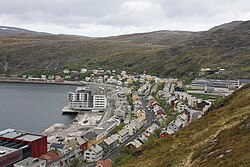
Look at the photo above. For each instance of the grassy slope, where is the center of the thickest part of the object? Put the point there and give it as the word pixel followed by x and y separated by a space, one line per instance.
pixel 227 127
pixel 163 53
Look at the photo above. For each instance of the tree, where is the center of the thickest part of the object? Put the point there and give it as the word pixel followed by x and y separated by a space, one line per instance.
pixel 75 162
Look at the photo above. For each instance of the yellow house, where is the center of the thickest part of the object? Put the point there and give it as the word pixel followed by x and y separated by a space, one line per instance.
pixel 135 97
pixel 127 90
pixel 141 114
pixel 130 80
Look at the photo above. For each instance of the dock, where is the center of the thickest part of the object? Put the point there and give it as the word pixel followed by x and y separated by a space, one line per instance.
pixel 66 110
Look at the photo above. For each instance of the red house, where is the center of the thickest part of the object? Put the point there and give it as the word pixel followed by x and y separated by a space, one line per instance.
pixel 164 134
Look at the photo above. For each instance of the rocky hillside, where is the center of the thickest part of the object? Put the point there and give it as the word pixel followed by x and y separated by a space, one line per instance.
pixel 221 138
pixel 165 53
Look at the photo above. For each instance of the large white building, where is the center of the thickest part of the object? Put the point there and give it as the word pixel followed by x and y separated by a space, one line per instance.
pixel 84 99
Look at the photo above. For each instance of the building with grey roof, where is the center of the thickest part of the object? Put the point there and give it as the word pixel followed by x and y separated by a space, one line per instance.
pixel 93 154
pixel 89 136
pixel 9 156
pixel 84 98
pixel 31 162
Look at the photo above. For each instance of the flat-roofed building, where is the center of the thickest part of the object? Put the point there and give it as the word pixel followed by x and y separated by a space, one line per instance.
pixel 9 156
pixel 93 154
pixel 33 145
pixel 83 98
pixel 31 162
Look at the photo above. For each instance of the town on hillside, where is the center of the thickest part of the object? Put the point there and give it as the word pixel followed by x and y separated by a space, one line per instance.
pixel 118 114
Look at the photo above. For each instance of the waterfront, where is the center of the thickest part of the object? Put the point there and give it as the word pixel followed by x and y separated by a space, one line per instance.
pixel 33 107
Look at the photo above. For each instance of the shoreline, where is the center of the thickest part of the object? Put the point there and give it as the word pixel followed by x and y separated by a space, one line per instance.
pixel 53 82
pixel 57 125
pixel 76 83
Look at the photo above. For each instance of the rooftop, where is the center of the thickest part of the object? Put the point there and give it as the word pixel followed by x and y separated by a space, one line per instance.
pixel 96 148
pixel 57 145
pixel 111 139
pixel 30 161
pixel 29 137
pixel 122 132
pixel 89 135
pixel 136 143
pixel 6 150
pixel 107 124
pixel 104 163
pixel 20 135
pixel 51 156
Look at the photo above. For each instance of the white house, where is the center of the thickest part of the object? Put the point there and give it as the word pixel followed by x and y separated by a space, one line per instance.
pixel 131 128
pixel 123 135
pixel 180 122
pixel 93 153
pixel 66 71
pixel 150 130
pixel 83 70
pixel 123 73
pixel 181 107
pixel 135 143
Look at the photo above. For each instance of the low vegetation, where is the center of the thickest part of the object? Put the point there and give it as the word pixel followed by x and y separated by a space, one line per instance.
pixel 220 138
pixel 163 53
pixel 117 128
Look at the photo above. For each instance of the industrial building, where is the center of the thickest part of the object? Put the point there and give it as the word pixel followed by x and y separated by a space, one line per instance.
pixel 31 162
pixel 9 156
pixel 20 145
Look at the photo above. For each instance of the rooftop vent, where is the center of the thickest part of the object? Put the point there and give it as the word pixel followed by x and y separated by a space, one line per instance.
pixel 2 151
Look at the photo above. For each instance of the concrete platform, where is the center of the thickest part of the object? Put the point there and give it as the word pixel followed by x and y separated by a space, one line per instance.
pixel 66 110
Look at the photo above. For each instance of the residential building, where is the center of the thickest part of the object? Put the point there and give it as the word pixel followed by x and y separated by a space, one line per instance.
pixel 131 128
pixel 68 151
pixel 82 143
pixel 66 71
pixel 123 135
pixel 166 133
pixel 134 144
pixel 52 158
pixel 120 99
pixel 83 99
pixel 93 154
pixel 90 137
pixel 104 163
pixel 99 102
pixel 83 70
pixel 123 73
pixel 180 122
pixel 181 107
pixel 110 143
pixel 141 114
pixel 150 130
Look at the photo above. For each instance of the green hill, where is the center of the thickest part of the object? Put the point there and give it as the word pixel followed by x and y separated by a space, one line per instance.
pixel 164 53
pixel 220 138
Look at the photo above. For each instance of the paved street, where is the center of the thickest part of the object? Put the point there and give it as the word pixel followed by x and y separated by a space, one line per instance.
pixel 112 155
pixel 110 106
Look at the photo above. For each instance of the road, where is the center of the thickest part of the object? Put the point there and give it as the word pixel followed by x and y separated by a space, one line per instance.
pixel 114 153
pixel 109 112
